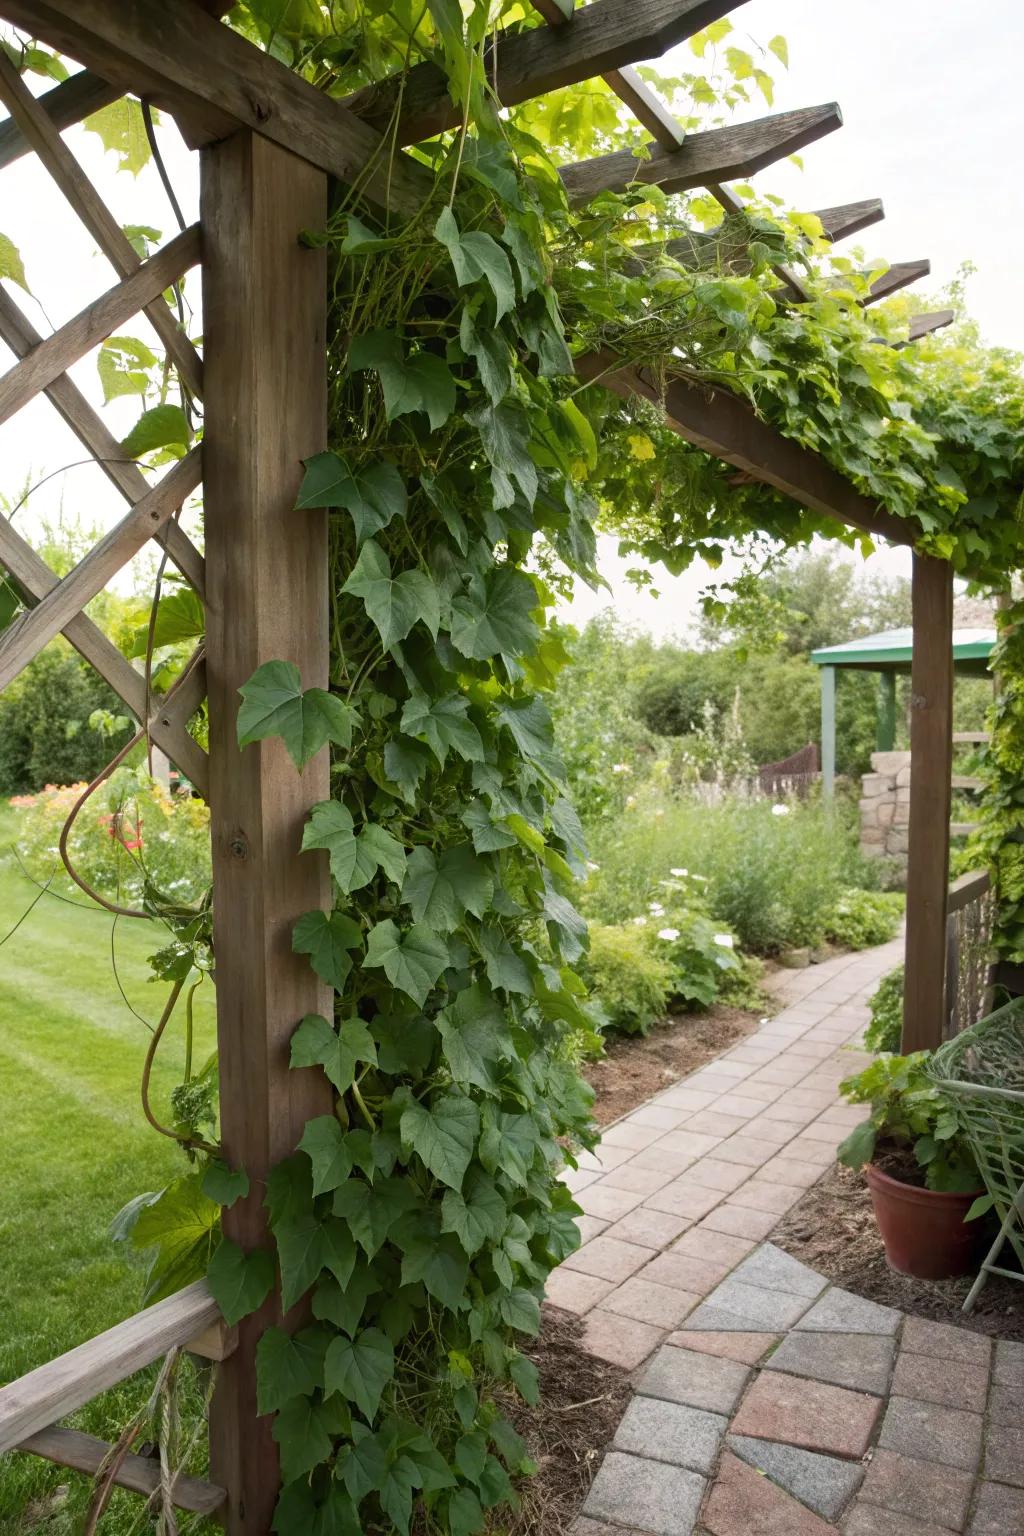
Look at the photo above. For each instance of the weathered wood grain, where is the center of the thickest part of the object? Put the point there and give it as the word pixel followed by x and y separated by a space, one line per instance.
pixel 68 102
pixel 719 155
pixel 264 322
pixel 34 1402
pixel 847 219
pixel 139 1474
pixel 900 275
pixel 923 325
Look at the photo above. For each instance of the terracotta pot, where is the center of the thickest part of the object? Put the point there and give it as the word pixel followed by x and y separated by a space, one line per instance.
pixel 923 1229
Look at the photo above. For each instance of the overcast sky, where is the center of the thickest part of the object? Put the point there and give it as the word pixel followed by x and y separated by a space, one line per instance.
pixel 934 120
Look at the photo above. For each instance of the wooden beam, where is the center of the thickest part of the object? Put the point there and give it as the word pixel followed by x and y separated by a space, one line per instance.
pixel 182 59
pixel 67 104
pixel 850 218
pixel 646 106
pixel 719 155
pixel 604 36
pixel 923 325
pixel 21 336
pixel 34 1402
pixel 734 205
pixel 55 354
pixel 725 427
pixel 264 323
pixel 900 275
pixel 82 196
pixel 139 1474
pixel 931 759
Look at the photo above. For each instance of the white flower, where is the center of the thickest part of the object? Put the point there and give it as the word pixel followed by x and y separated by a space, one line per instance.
pixel 620 767
pixel 702 878
pixel 640 922
pixel 592 866
pixel 656 909
pixel 668 933
pixel 630 802
pixel 680 874
pixel 780 810
pixel 726 940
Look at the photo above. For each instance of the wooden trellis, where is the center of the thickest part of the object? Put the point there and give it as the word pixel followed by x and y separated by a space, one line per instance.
pixel 269 143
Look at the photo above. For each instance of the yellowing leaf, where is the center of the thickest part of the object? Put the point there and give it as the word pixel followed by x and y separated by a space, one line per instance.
pixel 641 447
pixel 11 264
pixel 780 48
pixel 122 131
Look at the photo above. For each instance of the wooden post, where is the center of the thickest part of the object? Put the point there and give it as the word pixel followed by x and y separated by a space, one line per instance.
pixel 828 731
pixel 264 323
pixel 931 766
pixel 886 735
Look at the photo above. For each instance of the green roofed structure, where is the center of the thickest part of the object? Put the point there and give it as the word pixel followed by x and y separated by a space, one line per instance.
pixel 888 653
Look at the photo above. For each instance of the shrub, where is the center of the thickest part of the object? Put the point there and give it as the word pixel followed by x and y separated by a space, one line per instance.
pixel 859 919
pixel 630 984
pixel 45 736
pixel 886 1028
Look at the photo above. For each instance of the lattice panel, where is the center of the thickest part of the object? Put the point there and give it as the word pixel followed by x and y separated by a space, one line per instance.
pixel 56 606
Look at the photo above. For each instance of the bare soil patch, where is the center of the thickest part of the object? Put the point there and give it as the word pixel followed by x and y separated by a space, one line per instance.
pixel 833 1230
pixel 633 1069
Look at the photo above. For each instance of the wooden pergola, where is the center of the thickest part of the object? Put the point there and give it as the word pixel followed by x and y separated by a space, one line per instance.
pixel 269 146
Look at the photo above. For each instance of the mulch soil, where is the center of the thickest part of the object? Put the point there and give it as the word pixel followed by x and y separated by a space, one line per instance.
pixel 833 1230
pixel 633 1070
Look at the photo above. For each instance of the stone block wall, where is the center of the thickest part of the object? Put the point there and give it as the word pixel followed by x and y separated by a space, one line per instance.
pixel 885 807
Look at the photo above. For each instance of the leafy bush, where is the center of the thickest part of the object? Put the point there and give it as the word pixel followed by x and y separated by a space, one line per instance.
pixel 859 919
pixel 631 985
pixel 886 1028
pixel 907 1110
pixel 45 735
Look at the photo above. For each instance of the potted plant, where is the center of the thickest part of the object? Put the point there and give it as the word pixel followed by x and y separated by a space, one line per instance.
pixel 919 1168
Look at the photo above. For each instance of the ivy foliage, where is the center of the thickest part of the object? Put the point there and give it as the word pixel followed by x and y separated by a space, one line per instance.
pixel 998 843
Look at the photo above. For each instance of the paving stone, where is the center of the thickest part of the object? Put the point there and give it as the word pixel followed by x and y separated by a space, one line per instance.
pixel 924 1489
pixel 1006 1405
pixel 759 1195
pixel 648 1302
pixel 752 1088
pixel 648 1495
pixel 690 1143
pixel 737 1104
pixel 576 1179
pixel 605 1158
pixel 776 1132
pixel 860 1361
pixel 605 1200
pixel 589 1227
pixel 624 1341
pixel 774 1268
pixel 748 1151
pixel 824 1483
pixel 748 1348
pixel 682 1097
pixel 810 1414
pixel 643 1181
pixel 575 1292
pixel 698 1380
pixel 660 1158
pixel 933 1380
pixel 713 1122
pixel 681 1198
pixel 1008 1366
pixel 713 1247
pixel 743 1503
pixel 662 1115
pixel 651 1229
pixel 712 1173
pixel 685 1273
pixel 608 1258
pixel 758 1307
pixel 687 1437
pixel 738 1221
pixel 840 1311
pixel 585 1527
pixel 1004 1454
pixel 630 1133
pixel 791 1170
pixel 933 1433
pixel 945 1342
pixel 873 1520
pixel 998 1511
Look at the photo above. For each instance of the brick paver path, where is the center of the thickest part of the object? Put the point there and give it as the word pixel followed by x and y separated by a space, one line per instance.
pixel 768 1402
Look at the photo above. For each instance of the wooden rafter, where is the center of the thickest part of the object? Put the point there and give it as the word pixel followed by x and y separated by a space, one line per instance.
pixel 719 155
pixel 65 105
pixel 850 218
pixel 900 275
pixel 923 325
pixel 605 35
pixel 214 82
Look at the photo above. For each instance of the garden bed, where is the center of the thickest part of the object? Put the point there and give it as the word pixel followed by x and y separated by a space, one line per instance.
pixel 833 1230
pixel 633 1069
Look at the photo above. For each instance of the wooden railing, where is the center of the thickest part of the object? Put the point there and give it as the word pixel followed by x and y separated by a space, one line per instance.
pixel 31 1406
pixel 969 914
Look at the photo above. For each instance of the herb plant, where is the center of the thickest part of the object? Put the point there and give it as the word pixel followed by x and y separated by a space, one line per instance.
pixel 907 1110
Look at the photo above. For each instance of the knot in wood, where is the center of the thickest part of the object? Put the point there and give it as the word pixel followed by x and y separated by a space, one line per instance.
pixel 262 111
pixel 238 847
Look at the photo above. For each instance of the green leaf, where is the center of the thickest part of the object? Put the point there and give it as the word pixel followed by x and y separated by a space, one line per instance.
pixel 443 724
pixel 124 365
pixel 509 1142
pixel 520 1309
pixel 394 604
pixel 162 426
pixel 529 722
pixel 274 704
pixel 493 616
pixel 224 1185
pixel 373 495
pixel 470 1454
pixel 239 1282
pixel 981 1207
pixel 301 1430
pixel 181 1224
pixel 465 1516
pixel 476 1214
pixel 354 859
pixel 489 835
pixel 317 1043
pixel 506 969
pixel 179 616
pixel 405 765
pixel 344 1305
pixel 326 937
pixel 360 1369
pixel 122 131
pixel 439 891
pixel 301 1252
pixel 524 1374
pixel 476 256
pixel 288 1365
pixel 474 1033
pixel 371 1210
pixel 323 1142
pixel 422 382
pixel 412 961
pixel 859 1146
pixel 780 48
pixel 444 1136
pixel 441 1266
pixel 505 434
pixel 491 353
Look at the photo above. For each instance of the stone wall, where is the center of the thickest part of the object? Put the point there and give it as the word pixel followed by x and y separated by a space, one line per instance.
pixel 885 807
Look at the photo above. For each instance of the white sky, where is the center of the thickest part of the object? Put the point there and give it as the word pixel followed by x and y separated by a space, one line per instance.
pixel 934 115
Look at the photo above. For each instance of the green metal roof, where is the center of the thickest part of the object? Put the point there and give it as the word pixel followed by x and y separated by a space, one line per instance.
pixel 894 647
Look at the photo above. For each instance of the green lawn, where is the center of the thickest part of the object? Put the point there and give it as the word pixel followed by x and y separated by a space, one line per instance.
pixel 75 1148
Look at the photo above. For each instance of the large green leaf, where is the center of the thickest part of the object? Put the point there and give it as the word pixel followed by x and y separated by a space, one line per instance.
pixel 302 1430
pixel 394 603
pixel 239 1282
pixel 11 264
pixel 477 1213
pixel 421 382
pixel 344 1305
pixel 125 366
pixel 439 891
pixel 443 1135
pixel 179 616
pixel 474 1035
pixel 326 937
pixel 506 969
pixel 412 961
pixel 372 494
pixel 162 426
pixel 181 1226
pixel 505 433
pixel 493 616
pixel 122 130
pixel 317 1044
pixel 360 1368
pixel 443 724
pixel 529 722
pixel 371 1210
pixel 355 859
pixel 323 1142
pixel 475 256
pixel 442 1267
pixel 274 704
pixel 288 1365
